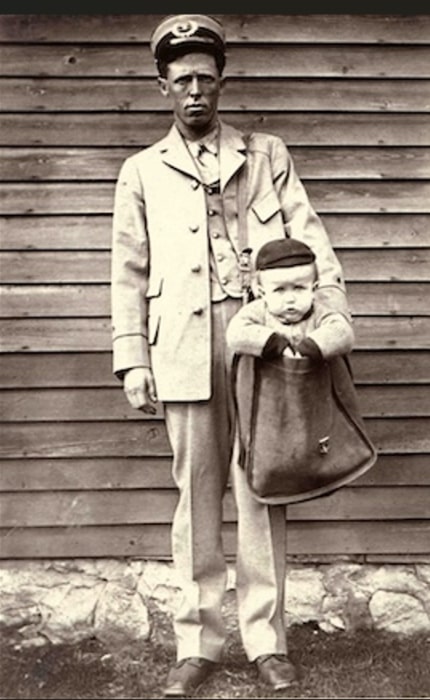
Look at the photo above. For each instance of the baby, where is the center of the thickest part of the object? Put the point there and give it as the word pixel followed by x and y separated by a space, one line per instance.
pixel 285 318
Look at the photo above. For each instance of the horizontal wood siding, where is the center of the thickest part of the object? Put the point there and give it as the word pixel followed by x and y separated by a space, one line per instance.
pixel 82 474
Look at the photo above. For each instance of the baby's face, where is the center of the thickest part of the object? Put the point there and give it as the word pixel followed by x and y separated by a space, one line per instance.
pixel 288 291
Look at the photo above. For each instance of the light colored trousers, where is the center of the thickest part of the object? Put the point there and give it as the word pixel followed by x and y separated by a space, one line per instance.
pixel 202 440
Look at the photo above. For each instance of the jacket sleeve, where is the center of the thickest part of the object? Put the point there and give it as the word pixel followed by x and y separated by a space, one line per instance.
pixel 334 334
pixel 129 273
pixel 246 332
pixel 302 222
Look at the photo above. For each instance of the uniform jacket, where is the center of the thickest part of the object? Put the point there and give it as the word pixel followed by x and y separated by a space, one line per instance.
pixel 160 254
pixel 251 327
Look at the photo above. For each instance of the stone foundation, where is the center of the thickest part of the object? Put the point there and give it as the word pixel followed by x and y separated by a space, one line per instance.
pixel 117 601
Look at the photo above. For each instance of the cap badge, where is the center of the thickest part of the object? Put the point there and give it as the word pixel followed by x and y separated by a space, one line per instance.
pixel 185 29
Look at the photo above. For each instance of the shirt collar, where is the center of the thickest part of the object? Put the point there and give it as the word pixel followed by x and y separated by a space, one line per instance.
pixel 210 141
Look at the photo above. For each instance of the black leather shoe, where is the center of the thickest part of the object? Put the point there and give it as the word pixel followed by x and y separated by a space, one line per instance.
pixel 276 670
pixel 184 678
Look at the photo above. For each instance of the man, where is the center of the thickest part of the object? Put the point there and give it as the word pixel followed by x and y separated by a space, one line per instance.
pixel 185 209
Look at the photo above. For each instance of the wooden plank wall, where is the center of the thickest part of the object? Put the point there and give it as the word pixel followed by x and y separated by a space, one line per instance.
pixel 81 473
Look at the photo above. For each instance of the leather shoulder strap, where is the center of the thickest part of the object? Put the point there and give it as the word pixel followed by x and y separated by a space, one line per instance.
pixel 241 200
pixel 244 250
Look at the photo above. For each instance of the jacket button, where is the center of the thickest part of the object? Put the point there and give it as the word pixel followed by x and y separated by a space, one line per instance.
pixel 211 212
pixel 194 228
pixel 196 268
pixel 198 311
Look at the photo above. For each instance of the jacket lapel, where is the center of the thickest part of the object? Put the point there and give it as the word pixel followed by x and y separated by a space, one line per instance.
pixel 232 153
pixel 175 153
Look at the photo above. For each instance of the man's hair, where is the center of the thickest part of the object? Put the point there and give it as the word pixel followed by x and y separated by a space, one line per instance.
pixel 184 51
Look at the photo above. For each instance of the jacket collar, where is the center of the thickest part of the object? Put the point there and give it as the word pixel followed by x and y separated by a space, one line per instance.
pixel 232 153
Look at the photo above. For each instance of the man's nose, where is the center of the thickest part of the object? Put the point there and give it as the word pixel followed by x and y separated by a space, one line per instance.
pixel 195 86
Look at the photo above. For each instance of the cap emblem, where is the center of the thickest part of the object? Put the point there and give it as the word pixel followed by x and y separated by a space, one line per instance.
pixel 185 29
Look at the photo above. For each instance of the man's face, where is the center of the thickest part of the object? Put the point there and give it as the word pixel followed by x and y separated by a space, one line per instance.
pixel 193 85
pixel 288 291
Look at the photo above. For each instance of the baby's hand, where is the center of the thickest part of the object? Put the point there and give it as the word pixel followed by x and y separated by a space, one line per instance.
pixel 289 352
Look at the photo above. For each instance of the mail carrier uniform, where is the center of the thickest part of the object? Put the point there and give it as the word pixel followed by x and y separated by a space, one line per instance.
pixel 175 287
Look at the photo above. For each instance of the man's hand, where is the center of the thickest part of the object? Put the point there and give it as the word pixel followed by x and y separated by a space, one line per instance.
pixel 139 388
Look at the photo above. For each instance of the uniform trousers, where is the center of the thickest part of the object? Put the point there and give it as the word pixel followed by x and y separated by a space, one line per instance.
pixel 202 437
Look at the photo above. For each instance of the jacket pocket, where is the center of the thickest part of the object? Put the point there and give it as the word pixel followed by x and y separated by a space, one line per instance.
pixel 153 295
pixel 154 287
pixel 154 320
pixel 266 207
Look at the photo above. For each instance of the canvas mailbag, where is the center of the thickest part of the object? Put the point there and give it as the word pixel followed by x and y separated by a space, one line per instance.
pixel 299 427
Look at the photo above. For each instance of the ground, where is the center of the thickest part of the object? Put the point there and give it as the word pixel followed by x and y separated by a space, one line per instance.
pixel 360 664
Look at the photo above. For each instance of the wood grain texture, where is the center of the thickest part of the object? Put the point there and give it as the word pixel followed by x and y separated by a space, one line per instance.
pixel 110 404
pixel 94 369
pixel 74 300
pixel 94 334
pixel 360 196
pixel 82 474
pixel 110 439
pixel 123 473
pixel 153 541
pixel 90 267
pixel 127 60
pixel 240 28
pixel 316 128
pixel 53 164
pixel 94 231
pixel 241 94
pixel 146 438
pixel 143 506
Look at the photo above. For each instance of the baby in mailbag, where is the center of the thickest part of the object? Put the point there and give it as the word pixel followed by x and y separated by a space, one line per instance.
pixel 299 426
pixel 283 319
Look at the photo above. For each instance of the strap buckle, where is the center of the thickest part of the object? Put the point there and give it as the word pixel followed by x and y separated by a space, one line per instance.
pixel 245 260
pixel 245 269
pixel 324 444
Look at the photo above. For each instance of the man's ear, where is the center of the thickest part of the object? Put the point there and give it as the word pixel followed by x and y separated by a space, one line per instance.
pixel 315 285
pixel 222 83
pixel 162 84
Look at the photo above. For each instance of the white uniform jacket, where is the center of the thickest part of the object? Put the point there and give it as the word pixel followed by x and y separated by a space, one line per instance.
pixel 160 253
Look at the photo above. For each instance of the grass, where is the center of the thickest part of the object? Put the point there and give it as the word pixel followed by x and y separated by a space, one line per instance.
pixel 363 664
